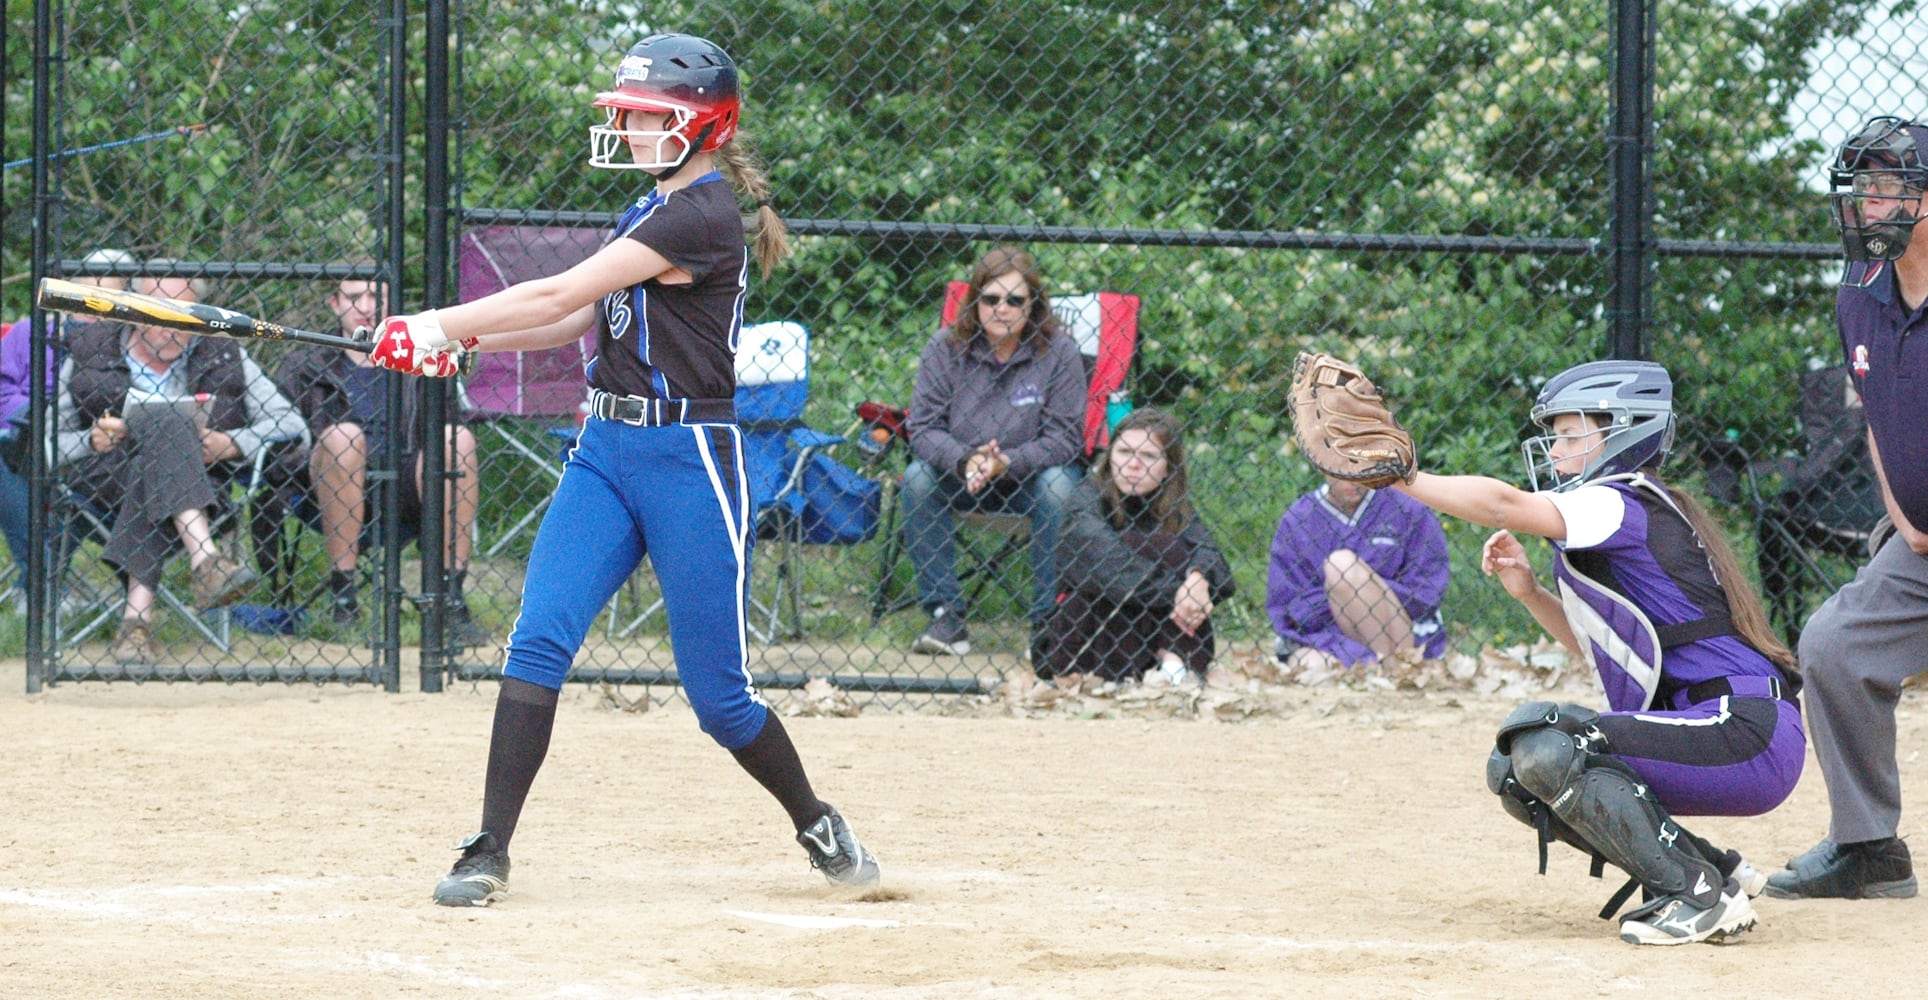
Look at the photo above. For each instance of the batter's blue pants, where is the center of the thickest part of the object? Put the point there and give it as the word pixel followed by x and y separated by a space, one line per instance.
pixel 678 495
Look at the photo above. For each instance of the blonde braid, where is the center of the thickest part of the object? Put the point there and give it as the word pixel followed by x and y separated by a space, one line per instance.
pixel 745 171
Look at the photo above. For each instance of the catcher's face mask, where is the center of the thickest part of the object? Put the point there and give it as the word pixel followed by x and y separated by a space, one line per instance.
pixel 1876 187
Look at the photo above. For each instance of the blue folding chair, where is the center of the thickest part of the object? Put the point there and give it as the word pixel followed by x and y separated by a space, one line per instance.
pixel 798 494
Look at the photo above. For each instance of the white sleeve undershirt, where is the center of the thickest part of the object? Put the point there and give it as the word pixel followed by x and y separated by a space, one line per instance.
pixel 1592 514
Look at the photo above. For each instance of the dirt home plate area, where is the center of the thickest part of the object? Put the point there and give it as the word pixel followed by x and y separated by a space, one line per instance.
pixel 238 841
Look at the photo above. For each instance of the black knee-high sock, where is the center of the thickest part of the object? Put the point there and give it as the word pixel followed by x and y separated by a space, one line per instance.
pixel 772 760
pixel 525 714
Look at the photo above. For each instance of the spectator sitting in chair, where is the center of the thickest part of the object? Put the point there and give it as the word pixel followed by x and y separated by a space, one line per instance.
pixel 996 423
pixel 344 398
pixel 16 385
pixel 1356 574
pixel 160 476
pixel 1140 573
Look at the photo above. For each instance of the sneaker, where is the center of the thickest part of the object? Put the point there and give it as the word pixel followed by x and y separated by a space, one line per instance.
pixel 343 608
pixel 481 876
pixel 835 852
pixel 946 635
pixel 134 644
pixel 220 582
pixel 459 630
pixel 1677 920
pixel 1875 869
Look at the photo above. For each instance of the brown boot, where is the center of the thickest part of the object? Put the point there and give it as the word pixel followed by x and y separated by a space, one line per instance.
pixel 220 582
pixel 134 645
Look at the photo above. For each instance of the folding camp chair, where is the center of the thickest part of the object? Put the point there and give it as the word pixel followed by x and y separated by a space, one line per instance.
pixel 1105 327
pixel 513 398
pixel 1813 513
pixel 798 494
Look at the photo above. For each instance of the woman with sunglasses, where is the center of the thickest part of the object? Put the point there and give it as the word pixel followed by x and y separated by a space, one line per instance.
pixel 996 423
pixel 1140 572
pixel 658 468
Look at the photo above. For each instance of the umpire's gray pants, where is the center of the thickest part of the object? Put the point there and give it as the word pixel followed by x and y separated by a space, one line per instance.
pixel 1855 652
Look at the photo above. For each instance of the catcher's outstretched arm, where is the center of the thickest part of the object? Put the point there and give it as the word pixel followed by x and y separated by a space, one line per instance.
pixel 1487 501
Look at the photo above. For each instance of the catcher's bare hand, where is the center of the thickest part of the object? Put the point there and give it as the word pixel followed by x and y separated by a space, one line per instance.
pixel 1344 426
pixel 1503 556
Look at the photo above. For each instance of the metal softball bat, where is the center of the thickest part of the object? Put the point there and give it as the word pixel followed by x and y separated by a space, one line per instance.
pixel 56 295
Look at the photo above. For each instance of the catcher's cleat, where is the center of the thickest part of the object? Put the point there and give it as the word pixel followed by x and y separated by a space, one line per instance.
pixel 835 851
pixel 1751 879
pixel 1875 869
pixel 481 876
pixel 1677 920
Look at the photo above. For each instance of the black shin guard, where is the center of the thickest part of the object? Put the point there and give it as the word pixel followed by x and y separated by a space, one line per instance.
pixel 1607 804
pixel 772 760
pixel 525 715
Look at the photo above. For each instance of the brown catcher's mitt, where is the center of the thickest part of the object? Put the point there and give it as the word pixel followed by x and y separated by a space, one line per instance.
pixel 1343 424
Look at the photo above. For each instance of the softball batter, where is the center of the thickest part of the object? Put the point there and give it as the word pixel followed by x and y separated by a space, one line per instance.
pixel 658 468
pixel 1701 715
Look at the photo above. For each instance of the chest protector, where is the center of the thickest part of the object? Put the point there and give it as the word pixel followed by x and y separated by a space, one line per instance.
pixel 1620 642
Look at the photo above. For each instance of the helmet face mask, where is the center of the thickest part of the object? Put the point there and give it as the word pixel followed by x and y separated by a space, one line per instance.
pixel 1877 182
pixel 1636 400
pixel 648 149
pixel 686 78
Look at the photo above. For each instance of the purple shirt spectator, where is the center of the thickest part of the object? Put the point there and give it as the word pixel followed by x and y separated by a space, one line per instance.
pixel 16 361
pixel 1394 534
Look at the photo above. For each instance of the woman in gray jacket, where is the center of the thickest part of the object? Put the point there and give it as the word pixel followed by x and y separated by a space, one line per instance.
pixel 997 424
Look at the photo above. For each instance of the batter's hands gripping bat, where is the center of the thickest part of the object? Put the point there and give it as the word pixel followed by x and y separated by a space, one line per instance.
pixel 194 317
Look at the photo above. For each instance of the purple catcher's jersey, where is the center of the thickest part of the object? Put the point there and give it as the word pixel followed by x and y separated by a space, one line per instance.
pixel 1627 537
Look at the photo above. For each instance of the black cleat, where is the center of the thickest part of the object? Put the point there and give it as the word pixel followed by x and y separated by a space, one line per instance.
pixel 1874 869
pixel 481 876
pixel 835 852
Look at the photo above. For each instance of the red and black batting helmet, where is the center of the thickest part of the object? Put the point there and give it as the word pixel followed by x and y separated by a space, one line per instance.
pixel 688 78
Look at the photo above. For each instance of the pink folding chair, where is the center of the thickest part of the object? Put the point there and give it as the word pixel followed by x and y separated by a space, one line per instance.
pixel 515 399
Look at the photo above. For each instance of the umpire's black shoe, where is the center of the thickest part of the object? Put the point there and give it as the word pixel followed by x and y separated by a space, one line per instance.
pixel 481 877
pixel 835 852
pixel 1871 869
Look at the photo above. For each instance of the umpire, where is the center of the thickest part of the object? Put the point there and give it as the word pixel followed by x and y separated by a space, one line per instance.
pixel 1866 640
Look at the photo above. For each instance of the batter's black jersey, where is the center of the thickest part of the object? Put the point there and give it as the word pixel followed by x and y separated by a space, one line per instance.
pixel 678 341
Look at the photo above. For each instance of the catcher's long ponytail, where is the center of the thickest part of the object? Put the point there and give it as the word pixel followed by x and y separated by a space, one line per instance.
pixel 745 171
pixel 1744 606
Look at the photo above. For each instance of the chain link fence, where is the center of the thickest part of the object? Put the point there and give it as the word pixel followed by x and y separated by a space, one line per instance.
pixel 1421 186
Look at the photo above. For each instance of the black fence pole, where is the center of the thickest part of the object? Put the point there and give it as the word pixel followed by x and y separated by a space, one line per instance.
pixel 1633 24
pixel 435 266
pixel 39 631
pixel 385 483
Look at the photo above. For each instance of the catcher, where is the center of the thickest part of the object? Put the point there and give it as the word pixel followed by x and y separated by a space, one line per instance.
pixel 1701 718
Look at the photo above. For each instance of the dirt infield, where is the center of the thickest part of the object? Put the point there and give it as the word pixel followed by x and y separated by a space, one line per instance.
pixel 218 842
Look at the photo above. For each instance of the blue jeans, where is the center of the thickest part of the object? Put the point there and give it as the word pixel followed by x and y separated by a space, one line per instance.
pixel 930 533
pixel 14 512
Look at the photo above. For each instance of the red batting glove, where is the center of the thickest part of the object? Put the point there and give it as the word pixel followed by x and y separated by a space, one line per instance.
pixel 406 342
